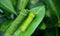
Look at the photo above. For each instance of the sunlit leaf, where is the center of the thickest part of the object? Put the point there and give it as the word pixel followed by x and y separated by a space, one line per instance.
pixel 34 24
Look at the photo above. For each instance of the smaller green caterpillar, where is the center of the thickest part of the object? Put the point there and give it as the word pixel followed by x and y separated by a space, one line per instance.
pixel 27 21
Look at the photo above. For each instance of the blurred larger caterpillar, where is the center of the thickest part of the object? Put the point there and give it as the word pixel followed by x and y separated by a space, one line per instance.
pixel 16 22
pixel 27 21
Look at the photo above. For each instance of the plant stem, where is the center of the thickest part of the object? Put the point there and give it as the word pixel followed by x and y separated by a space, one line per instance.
pixel 15 23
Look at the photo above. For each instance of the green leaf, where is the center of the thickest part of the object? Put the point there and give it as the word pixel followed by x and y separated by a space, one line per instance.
pixel 51 6
pixel 6 5
pixel 34 24
pixel 57 5
pixel 34 3
pixel 51 32
pixel 51 19
pixel 59 24
pixel 54 8
pixel 5 25
pixel 13 2
pixel 22 4
pixel 42 26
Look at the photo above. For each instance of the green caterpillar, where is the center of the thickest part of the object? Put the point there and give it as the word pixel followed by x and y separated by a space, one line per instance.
pixel 27 21
pixel 25 24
